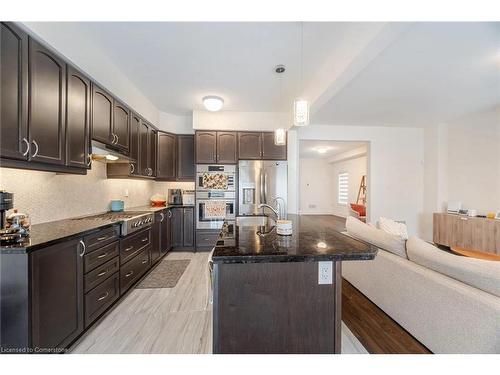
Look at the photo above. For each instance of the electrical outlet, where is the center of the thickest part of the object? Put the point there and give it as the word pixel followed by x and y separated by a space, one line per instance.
pixel 325 272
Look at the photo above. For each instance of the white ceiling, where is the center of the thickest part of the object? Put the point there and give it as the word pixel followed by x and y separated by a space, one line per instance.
pixel 175 64
pixel 431 73
pixel 361 73
pixel 309 149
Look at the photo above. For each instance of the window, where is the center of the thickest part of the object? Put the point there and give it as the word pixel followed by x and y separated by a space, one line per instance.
pixel 343 188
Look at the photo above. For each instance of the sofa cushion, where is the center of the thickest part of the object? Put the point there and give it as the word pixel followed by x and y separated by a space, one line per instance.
pixel 393 227
pixel 375 236
pixel 479 273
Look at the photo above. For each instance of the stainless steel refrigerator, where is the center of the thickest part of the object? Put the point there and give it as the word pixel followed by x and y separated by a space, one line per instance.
pixel 261 182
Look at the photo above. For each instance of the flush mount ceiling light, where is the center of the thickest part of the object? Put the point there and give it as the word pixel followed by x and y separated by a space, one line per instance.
pixel 213 103
pixel 322 150
pixel 301 106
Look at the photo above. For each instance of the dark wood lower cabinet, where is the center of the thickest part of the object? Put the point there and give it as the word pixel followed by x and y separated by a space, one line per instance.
pixel 57 295
pixel 183 234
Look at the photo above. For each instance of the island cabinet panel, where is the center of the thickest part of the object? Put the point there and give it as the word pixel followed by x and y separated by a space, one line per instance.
pixel 102 115
pixel 77 118
pixel 46 108
pixel 227 147
pixel 166 167
pixel 283 308
pixel 250 145
pixel 14 92
pixel 206 147
pixel 57 294
pixel 185 158
pixel 270 151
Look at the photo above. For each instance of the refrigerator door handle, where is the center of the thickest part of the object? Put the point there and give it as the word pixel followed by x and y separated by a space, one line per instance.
pixel 265 187
pixel 261 177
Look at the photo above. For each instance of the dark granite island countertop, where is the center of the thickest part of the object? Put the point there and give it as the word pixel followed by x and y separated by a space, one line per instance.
pixel 313 239
pixel 276 294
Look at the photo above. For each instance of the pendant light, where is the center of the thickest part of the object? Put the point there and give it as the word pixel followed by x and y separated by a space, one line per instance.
pixel 280 133
pixel 300 105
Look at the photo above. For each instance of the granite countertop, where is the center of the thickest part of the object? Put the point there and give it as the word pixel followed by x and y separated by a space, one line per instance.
pixel 45 234
pixel 313 239
pixel 155 209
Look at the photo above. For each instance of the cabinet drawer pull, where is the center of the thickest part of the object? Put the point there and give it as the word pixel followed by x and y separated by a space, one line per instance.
pixel 128 248
pixel 129 274
pixel 102 256
pixel 102 273
pixel 102 238
pixel 132 168
pixel 104 296
pixel 145 239
pixel 145 261
pixel 27 146
pixel 82 252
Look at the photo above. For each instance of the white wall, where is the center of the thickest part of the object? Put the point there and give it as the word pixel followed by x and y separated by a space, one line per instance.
pixel 96 64
pixel 316 186
pixel 176 124
pixel 395 168
pixel 229 120
pixel 356 169
pixel 462 163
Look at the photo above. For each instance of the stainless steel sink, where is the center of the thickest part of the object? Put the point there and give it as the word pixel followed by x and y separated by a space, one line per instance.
pixel 254 221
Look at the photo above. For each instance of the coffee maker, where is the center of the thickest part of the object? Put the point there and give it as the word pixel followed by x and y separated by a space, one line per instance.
pixel 6 203
pixel 174 196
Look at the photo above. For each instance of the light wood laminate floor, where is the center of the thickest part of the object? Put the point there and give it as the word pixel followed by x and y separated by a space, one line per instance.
pixel 168 320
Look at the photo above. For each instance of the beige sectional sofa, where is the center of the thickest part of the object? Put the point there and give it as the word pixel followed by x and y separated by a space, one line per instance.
pixel 451 304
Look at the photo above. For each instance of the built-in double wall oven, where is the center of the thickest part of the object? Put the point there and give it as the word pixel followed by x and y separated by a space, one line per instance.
pixel 216 198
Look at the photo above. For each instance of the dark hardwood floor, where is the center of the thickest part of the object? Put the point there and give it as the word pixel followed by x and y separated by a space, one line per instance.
pixel 378 333
pixel 376 330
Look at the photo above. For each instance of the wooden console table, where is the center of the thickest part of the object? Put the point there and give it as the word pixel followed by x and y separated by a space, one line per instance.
pixel 480 234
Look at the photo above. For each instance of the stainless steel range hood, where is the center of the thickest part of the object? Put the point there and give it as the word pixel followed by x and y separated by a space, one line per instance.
pixel 101 152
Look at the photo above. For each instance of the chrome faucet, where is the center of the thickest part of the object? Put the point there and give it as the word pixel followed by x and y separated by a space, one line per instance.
pixel 278 211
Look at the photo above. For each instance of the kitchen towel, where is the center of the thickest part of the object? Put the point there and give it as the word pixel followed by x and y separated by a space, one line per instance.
pixel 215 209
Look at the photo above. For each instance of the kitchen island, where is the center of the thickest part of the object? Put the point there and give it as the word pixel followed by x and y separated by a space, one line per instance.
pixel 282 294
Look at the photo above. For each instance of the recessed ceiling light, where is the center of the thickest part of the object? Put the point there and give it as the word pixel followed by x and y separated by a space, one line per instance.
pixel 213 103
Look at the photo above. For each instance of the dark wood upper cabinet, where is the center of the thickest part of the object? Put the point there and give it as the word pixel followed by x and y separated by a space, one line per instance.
pixel 13 92
pixel 227 143
pixel 57 294
pixel 270 151
pixel 250 145
pixel 135 128
pixel 121 125
pixel 46 109
pixel 153 155
pixel 206 147
pixel 77 118
pixel 166 168
pixel 102 115
pixel 144 149
pixel 185 157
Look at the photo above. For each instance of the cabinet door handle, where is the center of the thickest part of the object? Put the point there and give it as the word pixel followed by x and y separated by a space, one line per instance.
pixel 132 168
pixel 162 216
pixel 145 239
pixel 36 148
pixel 102 273
pixel 129 274
pixel 145 261
pixel 102 256
pixel 25 141
pixel 102 238
pixel 128 248
pixel 169 214
pixel 116 142
pixel 103 296
pixel 82 252
pixel 89 162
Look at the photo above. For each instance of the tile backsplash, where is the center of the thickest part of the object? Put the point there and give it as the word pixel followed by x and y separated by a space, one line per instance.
pixel 48 196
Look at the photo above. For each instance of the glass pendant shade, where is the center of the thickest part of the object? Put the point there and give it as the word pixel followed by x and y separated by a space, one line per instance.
pixel 280 137
pixel 301 112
